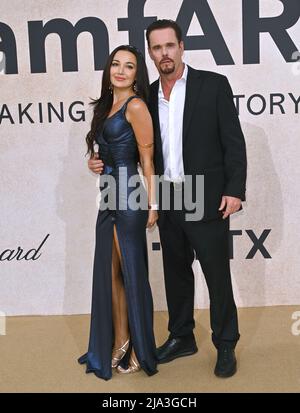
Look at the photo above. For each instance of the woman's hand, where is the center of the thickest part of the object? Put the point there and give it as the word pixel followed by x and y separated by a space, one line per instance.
pixel 95 164
pixel 152 218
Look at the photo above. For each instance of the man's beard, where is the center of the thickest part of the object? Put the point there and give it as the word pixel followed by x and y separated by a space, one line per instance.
pixel 167 70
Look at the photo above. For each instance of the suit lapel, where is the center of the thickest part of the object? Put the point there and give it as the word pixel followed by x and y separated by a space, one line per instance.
pixel 193 86
pixel 155 115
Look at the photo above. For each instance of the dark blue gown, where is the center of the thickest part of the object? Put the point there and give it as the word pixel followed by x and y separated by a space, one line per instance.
pixel 118 148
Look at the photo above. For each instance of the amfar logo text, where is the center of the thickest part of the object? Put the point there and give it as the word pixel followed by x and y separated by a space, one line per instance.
pixel 136 23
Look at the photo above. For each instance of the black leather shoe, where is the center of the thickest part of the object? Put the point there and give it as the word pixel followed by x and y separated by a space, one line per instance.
pixel 226 362
pixel 176 347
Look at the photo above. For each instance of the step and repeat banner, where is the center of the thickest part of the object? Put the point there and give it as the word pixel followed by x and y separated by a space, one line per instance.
pixel 52 55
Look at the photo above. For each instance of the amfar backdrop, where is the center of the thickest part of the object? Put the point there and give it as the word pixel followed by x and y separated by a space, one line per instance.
pixel 52 61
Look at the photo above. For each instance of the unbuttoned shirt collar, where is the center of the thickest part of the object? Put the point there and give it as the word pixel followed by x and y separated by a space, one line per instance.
pixel 182 79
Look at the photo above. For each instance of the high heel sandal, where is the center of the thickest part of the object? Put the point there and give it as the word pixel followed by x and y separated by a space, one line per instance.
pixel 118 354
pixel 133 367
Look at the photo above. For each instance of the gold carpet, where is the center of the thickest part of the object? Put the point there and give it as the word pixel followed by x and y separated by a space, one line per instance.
pixel 39 354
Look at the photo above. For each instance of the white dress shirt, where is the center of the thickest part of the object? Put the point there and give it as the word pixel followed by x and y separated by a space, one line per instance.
pixel 171 124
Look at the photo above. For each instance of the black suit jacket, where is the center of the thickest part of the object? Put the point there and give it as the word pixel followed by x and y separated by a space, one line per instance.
pixel 213 142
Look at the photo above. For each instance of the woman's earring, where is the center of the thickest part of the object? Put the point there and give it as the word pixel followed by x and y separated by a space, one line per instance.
pixel 135 87
pixel 111 88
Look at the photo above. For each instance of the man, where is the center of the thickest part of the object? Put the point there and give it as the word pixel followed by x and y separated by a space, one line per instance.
pixel 197 132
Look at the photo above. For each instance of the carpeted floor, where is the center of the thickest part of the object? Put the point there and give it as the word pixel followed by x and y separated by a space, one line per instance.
pixel 38 354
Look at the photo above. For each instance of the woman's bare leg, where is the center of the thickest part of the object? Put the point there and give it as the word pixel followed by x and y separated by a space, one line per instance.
pixel 119 305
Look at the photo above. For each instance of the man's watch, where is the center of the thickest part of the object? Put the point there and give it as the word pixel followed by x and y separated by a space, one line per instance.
pixel 153 207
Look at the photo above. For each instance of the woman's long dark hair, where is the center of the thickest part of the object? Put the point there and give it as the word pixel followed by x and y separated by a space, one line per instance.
pixel 102 106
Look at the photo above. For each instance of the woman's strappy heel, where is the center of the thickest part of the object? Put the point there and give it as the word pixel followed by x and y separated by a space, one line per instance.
pixel 118 354
pixel 133 367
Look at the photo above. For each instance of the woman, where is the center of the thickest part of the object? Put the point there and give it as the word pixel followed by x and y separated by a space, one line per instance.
pixel 121 330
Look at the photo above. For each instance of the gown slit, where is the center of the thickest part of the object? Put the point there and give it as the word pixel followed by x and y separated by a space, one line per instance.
pixel 117 278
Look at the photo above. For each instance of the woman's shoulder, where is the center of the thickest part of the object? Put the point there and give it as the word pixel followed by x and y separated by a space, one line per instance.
pixel 136 104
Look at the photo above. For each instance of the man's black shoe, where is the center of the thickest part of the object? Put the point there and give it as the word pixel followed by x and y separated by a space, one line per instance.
pixel 176 347
pixel 226 362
